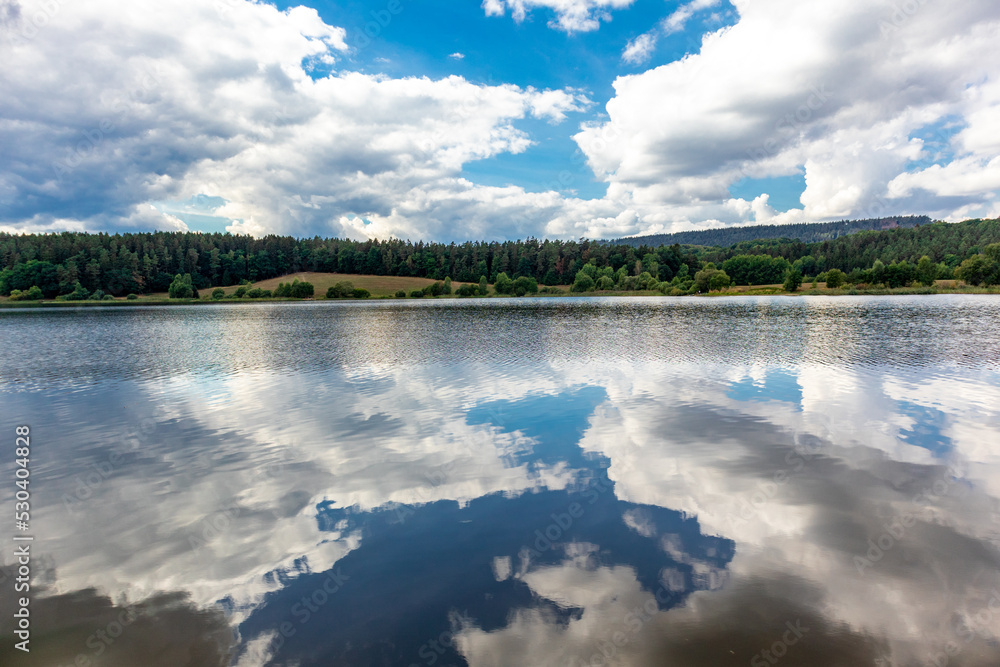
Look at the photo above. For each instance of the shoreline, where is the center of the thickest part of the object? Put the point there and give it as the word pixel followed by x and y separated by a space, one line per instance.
pixel 748 291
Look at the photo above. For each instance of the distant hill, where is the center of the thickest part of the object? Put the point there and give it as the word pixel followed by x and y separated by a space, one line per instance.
pixel 810 232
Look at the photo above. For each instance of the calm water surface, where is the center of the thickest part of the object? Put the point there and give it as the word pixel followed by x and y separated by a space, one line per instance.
pixel 745 481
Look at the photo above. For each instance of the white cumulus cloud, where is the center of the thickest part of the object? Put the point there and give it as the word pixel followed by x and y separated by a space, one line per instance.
pixel 571 15
pixel 107 109
pixel 835 89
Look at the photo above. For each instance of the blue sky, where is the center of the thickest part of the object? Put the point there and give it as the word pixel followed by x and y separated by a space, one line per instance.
pixel 440 38
pixel 494 119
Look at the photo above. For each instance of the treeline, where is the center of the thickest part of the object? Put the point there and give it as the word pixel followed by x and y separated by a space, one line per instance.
pixel 78 263
pixel 807 232
pixel 944 243
pixel 149 262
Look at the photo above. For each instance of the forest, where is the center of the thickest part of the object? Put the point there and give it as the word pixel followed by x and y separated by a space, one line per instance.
pixel 149 262
pixel 807 232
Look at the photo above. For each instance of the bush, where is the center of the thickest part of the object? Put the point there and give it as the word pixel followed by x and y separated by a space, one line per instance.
pixel 793 280
pixel 756 269
pixel 218 293
pixel 132 297
pixel 400 294
pixel 525 285
pixel 97 295
pixel 835 278
pixel 342 290
pixel 33 294
pixel 583 282
pixel 240 292
pixel 447 286
pixel 255 293
pixel 711 279
pixel 467 290
pixel 361 294
pixel 180 288
pixel 79 293
pixel 417 294
pixel 301 289
pixel 604 283
pixel 503 284
pixel 978 270
pixel 108 297
pixel 927 271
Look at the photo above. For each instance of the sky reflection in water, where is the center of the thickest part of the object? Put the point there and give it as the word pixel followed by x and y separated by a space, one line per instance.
pixel 558 482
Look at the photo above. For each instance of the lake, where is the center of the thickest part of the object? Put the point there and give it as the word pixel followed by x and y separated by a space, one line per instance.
pixel 651 481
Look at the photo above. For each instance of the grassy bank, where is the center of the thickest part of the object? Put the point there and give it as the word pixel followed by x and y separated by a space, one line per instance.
pixel 382 287
pixel 379 286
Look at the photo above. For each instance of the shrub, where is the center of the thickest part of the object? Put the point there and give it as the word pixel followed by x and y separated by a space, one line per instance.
pixel 342 290
pixel 108 297
pixel 79 293
pixel 218 293
pixel 604 283
pixel 180 288
pixel 467 290
pixel 835 278
pixel 447 286
pixel 97 295
pixel 255 293
pixel 525 285
pixel 503 284
pixel 33 294
pixel 361 294
pixel 241 292
pixel 417 294
pixel 793 280
pixel 927 271
pixel 978 270
pixel 711 279
pixel 583 282
pixel 400 294
pixel 132 297
pixel 302 290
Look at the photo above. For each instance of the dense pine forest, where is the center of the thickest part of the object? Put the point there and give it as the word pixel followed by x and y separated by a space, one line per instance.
pixel 807 232
pixel 58 264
